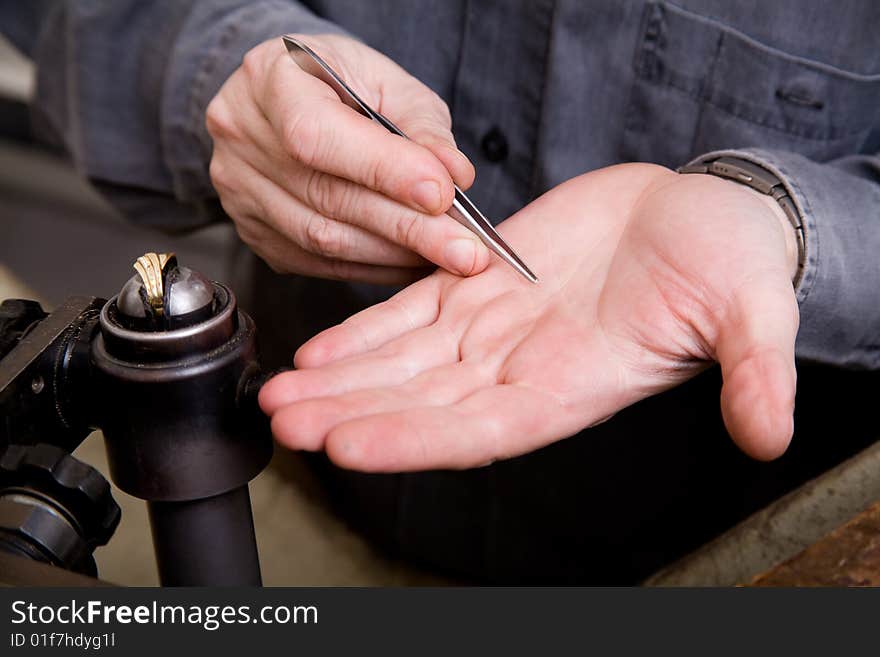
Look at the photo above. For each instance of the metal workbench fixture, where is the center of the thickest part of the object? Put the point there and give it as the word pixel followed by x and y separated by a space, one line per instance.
pixel 168 370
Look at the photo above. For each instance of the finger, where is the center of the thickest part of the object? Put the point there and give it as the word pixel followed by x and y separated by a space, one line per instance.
pixel 438 239
pixel 433 132
pixel 494 423
pixel 396 363
pixel 286 257
pixel 322 133
pixel 326 237
pixel 304 425
pixel 756 351
pixel 311 230
pixel 415 307
pixel 457 163
pixel 420 113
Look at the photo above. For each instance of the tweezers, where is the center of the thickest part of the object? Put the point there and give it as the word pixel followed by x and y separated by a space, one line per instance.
pixel 463 210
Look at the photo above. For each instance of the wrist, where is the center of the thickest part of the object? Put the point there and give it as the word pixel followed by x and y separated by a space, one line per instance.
pixel 775 195
pixel 792 253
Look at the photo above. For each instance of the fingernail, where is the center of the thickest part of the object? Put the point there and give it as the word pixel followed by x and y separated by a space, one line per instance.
pixel 427 194
pixel 461 254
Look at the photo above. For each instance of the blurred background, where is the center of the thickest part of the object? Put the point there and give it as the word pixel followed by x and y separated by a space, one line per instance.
pixel 59 238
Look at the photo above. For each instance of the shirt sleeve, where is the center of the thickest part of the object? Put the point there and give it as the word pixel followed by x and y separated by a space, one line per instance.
pixel 839 294
pixel 122 86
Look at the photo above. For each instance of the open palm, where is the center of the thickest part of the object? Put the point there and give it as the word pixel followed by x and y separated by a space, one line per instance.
pixel 646 278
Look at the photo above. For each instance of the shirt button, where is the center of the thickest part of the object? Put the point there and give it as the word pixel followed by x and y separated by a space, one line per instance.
pixel 494 145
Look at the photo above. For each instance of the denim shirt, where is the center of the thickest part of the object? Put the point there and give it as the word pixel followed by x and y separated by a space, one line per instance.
pixel 540 91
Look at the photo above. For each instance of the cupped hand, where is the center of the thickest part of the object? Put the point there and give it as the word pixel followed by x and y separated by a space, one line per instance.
pixel 647 277
pixel 315 188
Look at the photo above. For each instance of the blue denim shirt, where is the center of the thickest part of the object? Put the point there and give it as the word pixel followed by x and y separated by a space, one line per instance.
pixel 540 91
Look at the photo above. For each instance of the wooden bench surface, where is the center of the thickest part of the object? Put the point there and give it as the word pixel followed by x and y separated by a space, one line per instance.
pixel 848 556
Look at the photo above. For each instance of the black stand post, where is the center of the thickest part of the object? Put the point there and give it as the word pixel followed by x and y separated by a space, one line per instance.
pixel 206 541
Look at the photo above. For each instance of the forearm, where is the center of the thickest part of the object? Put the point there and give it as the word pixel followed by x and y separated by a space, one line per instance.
pixel 123 87
pixel 21 22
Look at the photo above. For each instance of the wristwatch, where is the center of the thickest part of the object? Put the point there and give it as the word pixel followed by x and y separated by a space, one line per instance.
pixel 763 181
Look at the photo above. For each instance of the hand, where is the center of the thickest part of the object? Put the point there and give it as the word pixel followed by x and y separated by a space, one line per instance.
pixel 647 276
pixel 315 188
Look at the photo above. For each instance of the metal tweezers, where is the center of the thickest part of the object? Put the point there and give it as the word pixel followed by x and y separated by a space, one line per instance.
pixel 462 210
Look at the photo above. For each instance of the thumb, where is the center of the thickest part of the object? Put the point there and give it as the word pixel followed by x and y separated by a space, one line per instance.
pixel 756 351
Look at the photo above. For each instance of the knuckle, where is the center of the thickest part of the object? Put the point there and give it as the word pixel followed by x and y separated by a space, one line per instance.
pixel 375 173
pixel 284 220
pixel 219 173
pixel 243 233
pixel 246 231
pixel 218 119
pixel 251 65
pixel 383 174
pixel 409 231
pixel 303 137
pixel 442 110
pixel 324 194
pixel 322 236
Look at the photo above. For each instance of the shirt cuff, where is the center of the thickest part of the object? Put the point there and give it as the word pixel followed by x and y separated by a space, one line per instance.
pixel 837 295
pixel 206 53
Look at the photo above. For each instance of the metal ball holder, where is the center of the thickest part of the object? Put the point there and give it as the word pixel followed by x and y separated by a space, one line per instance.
pixel 168 370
